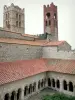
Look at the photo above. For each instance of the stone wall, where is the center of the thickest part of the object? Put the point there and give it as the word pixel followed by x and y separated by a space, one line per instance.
pixel 52 52
pixel 65 46
pixel 8 34
pixel 10 52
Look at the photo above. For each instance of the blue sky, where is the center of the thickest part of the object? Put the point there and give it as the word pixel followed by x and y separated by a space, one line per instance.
pixel 34 17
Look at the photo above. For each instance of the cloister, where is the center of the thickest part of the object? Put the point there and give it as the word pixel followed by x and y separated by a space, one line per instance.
pixel 56 84
pixel 31 88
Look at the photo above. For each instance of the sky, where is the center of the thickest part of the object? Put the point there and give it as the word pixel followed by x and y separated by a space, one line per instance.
pixel 34 17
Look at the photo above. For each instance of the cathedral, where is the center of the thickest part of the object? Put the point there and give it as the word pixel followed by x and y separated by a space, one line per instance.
pixel 29 63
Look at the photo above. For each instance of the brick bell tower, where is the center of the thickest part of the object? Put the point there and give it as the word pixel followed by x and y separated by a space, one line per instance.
pixel 51 22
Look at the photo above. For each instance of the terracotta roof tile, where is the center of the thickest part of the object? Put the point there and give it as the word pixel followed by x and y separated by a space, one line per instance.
pixel 18 41
pixel 64 66
pixel 12 71
pixel 37 43
pixel 54 43
pixel 29 35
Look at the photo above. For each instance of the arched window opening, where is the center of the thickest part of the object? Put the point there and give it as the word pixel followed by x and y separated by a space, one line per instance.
pixel 46 22
pixel 53 82
pixel 26 90
pixel 30 88
pixel 54 15
pixel 71 86
pixel 65 85
pixel 6 97
pixel 19 24
pixel 17 15
pixel 34 87
pixel 16 23
pixel 39 85
pixel 19 94
pixel 49 82
pixel 58 84
pixel 48 15
pixel 13 95
pixel 6 16
pixel 49 22
pixel 42 83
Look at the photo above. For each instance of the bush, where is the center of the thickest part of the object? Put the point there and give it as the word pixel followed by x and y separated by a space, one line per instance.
pixel 42 36
pixel 57 97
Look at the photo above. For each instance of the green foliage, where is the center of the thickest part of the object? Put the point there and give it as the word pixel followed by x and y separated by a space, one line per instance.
pixel 43 36
pixel 57 97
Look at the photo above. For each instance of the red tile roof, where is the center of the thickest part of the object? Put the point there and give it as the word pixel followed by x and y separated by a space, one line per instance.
pixel 18 41
pixel 12 71
pixel 29 35
pixel 54 43
pixel 37 43
pixel 62 66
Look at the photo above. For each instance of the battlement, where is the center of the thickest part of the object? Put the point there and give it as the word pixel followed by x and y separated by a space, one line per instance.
pixel 51 6
pixel 13 7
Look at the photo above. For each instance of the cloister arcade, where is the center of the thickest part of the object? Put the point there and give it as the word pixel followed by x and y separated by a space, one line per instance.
pixel 68 86
pixel 31 88
pixel 28 89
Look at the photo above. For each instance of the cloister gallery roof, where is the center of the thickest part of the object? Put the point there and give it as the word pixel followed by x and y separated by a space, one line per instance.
pixel 16 70
pixel 33 43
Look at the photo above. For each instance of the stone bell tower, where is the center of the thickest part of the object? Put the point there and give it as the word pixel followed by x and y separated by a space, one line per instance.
pixel 51 22
pixel 13 18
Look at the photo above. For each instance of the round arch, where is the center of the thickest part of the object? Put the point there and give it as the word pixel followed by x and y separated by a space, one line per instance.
pixel 25 90
pixel 53 82
pixel 34 86
pixel 42 83
pixel 71 86
pixel 39 84
pixel 49 82
pixel 19 94
pixel 65 85
pixel 30 88
pixel 58 84
pixel 13 95
pixel 48 15
pixel 6 97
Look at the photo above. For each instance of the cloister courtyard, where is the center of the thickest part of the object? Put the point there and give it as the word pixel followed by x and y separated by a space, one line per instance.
pixel 38 96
